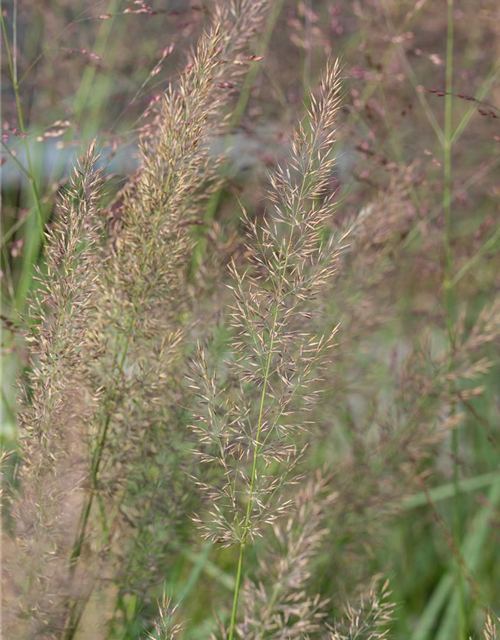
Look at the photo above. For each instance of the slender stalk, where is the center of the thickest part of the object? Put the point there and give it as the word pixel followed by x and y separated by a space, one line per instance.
pixel 448 293
pixel 35 240
pixel 447 146
pixel 75 612
pixel 278 300
pixel 248 514
pixel 413 79
pixel 84 106
pixel 236 117
pixel 237 590
pixel 241 105
pixel 481 93
pixel 246 524
pixel 15 85
pixel 464 269
pixel 21 168
pixel 306 68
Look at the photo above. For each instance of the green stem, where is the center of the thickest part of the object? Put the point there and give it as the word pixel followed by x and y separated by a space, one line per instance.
pixel 248 83
pixel 237 590
pixel 246 524
pixel 75 614
pixel 85 107
pixel 448 257
pixel 279 299
pixel 33 241
pixel 448 293
pixel 238 113
pixel 489 244
pixel 307 58
pixel 15 85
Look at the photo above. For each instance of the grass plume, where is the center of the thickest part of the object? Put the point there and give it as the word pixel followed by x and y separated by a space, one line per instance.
pixel 249 424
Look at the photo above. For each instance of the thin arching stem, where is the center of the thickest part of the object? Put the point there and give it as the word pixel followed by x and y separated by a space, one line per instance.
pixel 15 85
pixel 448 293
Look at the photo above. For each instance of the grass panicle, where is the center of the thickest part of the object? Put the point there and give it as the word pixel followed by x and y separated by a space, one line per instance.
pixel 278 604
pixel 369 618
pixel 56 420
pixel 342 404
pixel 250 424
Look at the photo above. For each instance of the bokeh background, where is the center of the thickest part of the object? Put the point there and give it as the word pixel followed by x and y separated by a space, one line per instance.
pixel 93 69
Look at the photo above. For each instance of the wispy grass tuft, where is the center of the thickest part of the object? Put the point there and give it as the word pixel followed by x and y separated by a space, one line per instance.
pixel 56 419
pixel 369 618
pixel 343 399
pixel 251 423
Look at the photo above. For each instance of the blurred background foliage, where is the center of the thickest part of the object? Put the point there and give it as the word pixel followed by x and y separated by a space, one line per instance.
pixel 84 70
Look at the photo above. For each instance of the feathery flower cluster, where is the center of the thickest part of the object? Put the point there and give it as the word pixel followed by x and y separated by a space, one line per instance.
pixel 277 605
pixel 56 421
pixel 251 423
pixel 369 618
pixel 248 422
pixel 106 329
